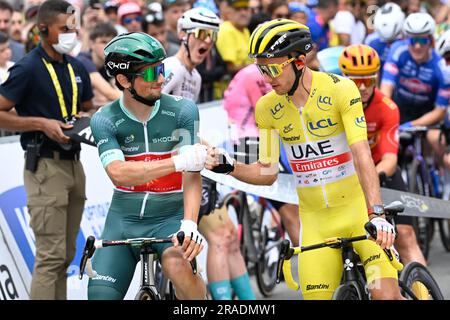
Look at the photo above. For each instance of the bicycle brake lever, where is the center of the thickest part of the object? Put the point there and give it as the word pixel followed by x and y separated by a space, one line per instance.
pixel 180 238
pixel 284 251
pixel 88 251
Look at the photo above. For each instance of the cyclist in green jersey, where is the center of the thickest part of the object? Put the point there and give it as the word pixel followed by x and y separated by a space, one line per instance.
pixel 148 145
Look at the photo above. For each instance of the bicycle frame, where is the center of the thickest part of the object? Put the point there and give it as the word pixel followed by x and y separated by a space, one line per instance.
pixel 147 274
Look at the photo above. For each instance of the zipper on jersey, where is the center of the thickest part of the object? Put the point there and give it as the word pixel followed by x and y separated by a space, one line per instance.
pixel 324 192
pixel 144 202
pixel 146 137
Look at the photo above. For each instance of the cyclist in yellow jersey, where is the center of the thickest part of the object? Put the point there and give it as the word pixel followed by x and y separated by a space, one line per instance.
pixel 320 120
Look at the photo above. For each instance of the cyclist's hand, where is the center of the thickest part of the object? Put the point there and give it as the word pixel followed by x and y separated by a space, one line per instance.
pixel 218 160
pixel 385 232
pixel 54 130
pixel 193 241
pixel 190 158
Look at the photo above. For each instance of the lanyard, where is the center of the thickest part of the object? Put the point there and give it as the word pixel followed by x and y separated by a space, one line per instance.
pixel 59 92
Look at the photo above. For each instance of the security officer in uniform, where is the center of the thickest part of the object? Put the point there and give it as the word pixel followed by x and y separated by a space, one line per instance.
pixel 50 90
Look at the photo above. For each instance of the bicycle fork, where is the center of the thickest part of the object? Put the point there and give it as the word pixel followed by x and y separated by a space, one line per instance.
pixel 147 275
pixel 351 274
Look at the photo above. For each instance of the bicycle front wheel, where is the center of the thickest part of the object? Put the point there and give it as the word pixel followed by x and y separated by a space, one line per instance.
pixel 347 292
pixel 444 230
pixel 146 294
pixel 420 281
pixel 421 225
pixel 266 267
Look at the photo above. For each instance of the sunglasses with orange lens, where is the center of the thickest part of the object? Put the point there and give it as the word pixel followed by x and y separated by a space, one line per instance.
pixel 367 81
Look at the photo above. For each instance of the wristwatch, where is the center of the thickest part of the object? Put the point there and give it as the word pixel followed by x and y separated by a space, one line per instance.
pixel 377 209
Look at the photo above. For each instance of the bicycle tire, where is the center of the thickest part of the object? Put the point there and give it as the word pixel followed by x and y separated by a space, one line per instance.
pixel 146 294
pixel 444 231
pixel 418 278
pixel 347 292
pixel 421 225
pixel 266 276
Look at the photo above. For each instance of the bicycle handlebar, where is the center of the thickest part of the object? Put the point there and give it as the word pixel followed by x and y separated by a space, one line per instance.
pixel 92 244
pixel 418 129
pixel 286 251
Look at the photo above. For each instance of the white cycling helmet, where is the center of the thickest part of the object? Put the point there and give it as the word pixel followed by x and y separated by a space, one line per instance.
pixel 419 24
pixel 443 43
pixel 388 21
pixel 199 17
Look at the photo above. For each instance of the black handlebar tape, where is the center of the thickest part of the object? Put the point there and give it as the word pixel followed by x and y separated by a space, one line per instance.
pixel 371 229
pixel 180 237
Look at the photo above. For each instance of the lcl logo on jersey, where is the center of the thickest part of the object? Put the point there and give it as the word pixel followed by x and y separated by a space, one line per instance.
pixel 277 111
pixel 323 102
pixel 321 125
pixel 361 122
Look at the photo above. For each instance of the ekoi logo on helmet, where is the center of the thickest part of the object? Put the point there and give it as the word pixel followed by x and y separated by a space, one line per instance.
pixel 119 65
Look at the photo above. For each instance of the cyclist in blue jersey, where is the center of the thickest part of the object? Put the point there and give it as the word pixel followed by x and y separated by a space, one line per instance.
pixel 318 22
pixel 442 146
pixel 388 25
pixel 414 75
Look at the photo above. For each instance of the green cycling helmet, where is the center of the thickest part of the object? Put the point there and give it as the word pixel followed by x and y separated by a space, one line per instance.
pixel 128 50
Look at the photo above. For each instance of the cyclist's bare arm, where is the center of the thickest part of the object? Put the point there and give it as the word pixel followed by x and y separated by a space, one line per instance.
pixel 434 116
pixel 192 186
pixel 256 173
pixel 370 184
pixel 387 89
pixel 388 164
pixel 134 173
pixel 367 174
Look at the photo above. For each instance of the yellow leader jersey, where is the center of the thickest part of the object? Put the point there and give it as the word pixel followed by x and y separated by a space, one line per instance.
pixel 316 138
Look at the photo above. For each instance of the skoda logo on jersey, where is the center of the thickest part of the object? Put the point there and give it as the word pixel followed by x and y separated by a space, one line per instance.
pixel 361 122
pixel 129 139
pixel 277 111
pixel 322 128
pixel 323 102
pixel 168 113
